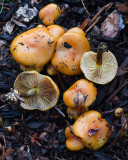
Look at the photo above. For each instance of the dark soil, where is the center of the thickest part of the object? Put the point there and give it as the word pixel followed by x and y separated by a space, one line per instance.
pixel 37 135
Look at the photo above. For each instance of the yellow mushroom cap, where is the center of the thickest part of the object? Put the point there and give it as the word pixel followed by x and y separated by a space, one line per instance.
pixel 76 30
pixel 46 91
pixel 33 48
pixel 99 75
pixel 49 14
pixel 118 112
pixel 81 89
pixel 51 70
pixel 56 30
pixel 73 142
pixel 69 50
pixel 92 129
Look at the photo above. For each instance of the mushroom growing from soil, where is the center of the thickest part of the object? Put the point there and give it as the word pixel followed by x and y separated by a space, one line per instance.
pixel 49 14
pixel 33 48
pixel 92 129
pixel 69 50
pixel 73 142
pixel 100 67
pixel 38 91
pixel 82 94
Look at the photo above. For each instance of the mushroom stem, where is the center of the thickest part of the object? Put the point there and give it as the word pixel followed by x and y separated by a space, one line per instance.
pixel 32 92
pixel 101 49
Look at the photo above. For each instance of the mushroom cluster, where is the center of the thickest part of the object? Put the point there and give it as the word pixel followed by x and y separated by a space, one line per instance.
pixel 90 130
pixel 69 53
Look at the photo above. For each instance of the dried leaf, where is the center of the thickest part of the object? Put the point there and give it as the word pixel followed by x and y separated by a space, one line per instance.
pixel 112 25
pixel 122 71
pixel 123 8
pixel 84 24
pixel 92 132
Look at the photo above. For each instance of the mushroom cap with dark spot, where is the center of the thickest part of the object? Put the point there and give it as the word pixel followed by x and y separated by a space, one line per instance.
pixel 33 48
pixel 92 129
pixel 80 89
pixel 99 75
pixel 69 50
pixel 48 92
pixel 49 14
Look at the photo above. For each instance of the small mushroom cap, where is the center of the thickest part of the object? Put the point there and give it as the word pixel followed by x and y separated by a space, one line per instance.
pixel 72 113
pixel 92 129
pixel 51 70
pixel 76 30
pixel 33 48
pixel 73 142
pixel 47 91
pixel 56 30
pixel 99 75
pixel 49 14
pixel 118 112
pixel 80 88
pixel 69 50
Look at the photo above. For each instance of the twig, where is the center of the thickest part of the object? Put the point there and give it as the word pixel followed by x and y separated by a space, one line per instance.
pixel 68 124
pixel 85 8
pixel 92 25
pixel 106 7
pixel 60 81
pixel 117 90
pixel 120 131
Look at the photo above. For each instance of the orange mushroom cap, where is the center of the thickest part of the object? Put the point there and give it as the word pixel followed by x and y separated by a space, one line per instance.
pixel 56 30
pixel 92 129
pixel 69 50
pixel 33 48
pixel 73 142
pixel 49 14
pixel 82 91
pixel 76 30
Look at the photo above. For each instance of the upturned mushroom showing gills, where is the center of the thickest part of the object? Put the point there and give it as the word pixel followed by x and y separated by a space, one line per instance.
pixel 100 67
pixel 49 14
pixel 82 94
pixel 69 50
pixel 38 91
pixel 73 142
pixel 33 48
pixel 92 129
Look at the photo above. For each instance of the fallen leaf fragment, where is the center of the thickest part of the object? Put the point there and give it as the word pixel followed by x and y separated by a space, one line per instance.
pixel 112 25
pixel 123 8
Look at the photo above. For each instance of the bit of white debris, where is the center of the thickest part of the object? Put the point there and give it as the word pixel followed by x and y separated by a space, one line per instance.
pixel 25 14
pixel 8 27
pixel 112 25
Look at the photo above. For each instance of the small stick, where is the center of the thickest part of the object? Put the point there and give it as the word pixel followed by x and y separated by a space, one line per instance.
pixel 106 7
pixel 60 81
pixel 85 8
pixel 120 131
pixel 68 124
pixel 117 90
pixel 98 19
